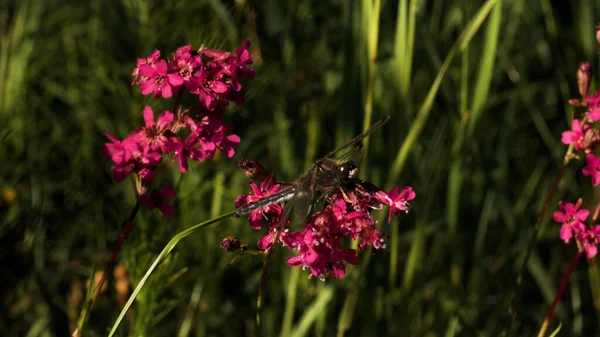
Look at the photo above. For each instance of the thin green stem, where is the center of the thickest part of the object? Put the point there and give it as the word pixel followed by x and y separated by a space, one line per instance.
pixel 261 289
pixel 161 257
pixel 534 235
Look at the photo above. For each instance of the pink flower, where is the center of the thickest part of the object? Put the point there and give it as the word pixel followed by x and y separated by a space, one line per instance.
pixel 398 202
pixel 594 113
pixel 131 156
pixel 149 61
pixel 186 150
pixel 590 238
pixel 320 255
pixel 207 85
pixel 159 200
pixel 156 80
pixel 212 135
pixel 271 212
pixel 593 100
pixel 592 168
pixel 572 219
pixel 576 136
pixel 157 135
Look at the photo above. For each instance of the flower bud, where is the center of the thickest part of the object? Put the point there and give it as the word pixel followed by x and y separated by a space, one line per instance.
pixel 253 169
pixel 230 244
pixel 598 34
pixel 591 139
pixel 584 76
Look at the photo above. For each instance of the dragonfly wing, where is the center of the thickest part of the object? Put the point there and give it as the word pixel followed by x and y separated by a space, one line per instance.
pixel 287 209
pixel 302 206
pixel 355 154
pixel 360 137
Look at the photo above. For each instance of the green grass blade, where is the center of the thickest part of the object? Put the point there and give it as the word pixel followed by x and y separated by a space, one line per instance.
pixel 423 113
pixel 163 254
pixel 312 313
pixel 486 66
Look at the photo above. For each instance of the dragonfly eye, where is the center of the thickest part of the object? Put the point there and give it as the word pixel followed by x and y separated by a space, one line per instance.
pixel 347 170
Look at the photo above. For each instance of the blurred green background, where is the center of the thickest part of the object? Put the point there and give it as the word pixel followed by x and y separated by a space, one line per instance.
pixel 478 96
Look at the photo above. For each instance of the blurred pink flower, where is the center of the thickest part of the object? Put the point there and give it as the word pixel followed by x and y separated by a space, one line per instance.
pixel 572 219
pixel 592 168
pixel 590 238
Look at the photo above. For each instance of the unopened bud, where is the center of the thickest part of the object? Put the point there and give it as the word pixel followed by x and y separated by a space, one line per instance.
pixel 584 76
pixel 253 169
pixel 230 244
pixel 598 34
pixel 591 140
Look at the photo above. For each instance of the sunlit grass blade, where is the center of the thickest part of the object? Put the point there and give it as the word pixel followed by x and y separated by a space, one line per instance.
pixel 404 45
pixel 486 66
pixel 423 114
pixel 311 314
pixel 163 254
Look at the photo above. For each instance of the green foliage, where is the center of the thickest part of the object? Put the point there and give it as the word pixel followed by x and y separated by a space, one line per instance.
pixel 478 96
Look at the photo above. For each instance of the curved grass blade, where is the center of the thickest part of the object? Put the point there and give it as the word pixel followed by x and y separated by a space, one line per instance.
pixel 168 248
pixel 423 114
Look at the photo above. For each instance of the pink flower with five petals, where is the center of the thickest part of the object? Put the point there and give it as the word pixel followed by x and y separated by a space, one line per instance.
pixel 572 219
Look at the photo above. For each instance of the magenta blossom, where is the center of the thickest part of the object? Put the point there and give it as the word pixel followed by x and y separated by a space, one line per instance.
pixel 593 101
pixel 321 256
pixel 398 202
pixel 131 156
pixel 159 200
pixel 592 168
pixel 572 219
pixel 157 135
pixel 149 61
pixel 157 80
pixel 272 212
pixel 590 238
pixel 576 136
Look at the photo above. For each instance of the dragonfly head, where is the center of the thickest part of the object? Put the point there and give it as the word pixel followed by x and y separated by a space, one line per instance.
pixel 347 170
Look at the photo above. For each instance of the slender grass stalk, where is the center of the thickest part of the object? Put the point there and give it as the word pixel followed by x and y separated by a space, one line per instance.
pixel 403 56
pixel 534 235
pixel 370 32
pixel 423 114
pixel 404 46
pixel 91 300
pixel 290 302
pixel 559 293
pixel 161 257
pixel 371 12
pixel 262 289
pixel 313 312
pixel 486 67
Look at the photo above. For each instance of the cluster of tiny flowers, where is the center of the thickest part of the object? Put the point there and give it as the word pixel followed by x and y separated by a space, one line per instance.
pixel 194 133
pixel 584 138
pixel 319 242
pixel 573 226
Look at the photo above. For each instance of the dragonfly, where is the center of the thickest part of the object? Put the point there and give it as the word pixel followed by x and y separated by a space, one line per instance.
pixel 326 176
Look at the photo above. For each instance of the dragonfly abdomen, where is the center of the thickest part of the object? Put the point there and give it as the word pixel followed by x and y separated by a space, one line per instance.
pixel 276 198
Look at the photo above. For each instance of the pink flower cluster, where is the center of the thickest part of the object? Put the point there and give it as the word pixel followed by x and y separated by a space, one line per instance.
pixel 194 133
pixel 212 75
pixel 573 226
pixel 583 138
pixel 319 242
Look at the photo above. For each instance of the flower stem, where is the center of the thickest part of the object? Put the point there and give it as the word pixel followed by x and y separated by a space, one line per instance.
pixel 97 288
pixel 533 240
pixel 559 294
pixel 113 257
pixel 261 289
